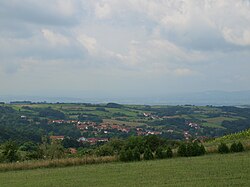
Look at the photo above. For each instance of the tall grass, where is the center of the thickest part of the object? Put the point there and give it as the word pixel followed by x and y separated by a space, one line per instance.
pixel 56 163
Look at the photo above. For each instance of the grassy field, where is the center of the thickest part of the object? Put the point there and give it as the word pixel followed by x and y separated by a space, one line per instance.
pixel 210 170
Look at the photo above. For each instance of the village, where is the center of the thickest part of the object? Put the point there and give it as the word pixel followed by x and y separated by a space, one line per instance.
pixel 94 133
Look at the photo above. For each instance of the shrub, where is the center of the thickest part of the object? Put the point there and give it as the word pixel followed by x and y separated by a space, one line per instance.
pixel 237 147
pixel 105 150
pixel 136 154
pixel 234 147
pixel 123 155
pixel 182 150
pixel 223 148
pixel 240 147
pixel 169 153
pixel 148 155
pixel 9 153
pixel 126 155
pixel 191 149
pixel 159 153
pixel 202 150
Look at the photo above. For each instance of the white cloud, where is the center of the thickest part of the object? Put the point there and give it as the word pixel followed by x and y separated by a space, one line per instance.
pixel 66 7
pixel 102 10
pixel 240 37
pixel 88 42
pixel 55 38
pixel 169 39
pixel 183 72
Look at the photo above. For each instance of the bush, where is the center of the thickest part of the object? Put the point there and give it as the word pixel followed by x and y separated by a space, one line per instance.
pixel 202 150
pixel 182 150
pixel 169 153
pixel 148 155
pixel 136 154
pixel 159 153
pixel 9 153
pixel 105 150
pixel 191 149
pixel 240 147
pixel 130 155
pixel 237 147
pixel 198 149
pixel 234 147
pixel 223 148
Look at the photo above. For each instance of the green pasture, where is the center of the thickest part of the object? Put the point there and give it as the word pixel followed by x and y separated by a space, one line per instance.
pixel 209 170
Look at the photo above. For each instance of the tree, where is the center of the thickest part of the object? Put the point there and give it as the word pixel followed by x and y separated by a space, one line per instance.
pixel 56 150
pixel 223 148
pixel 169 153
pixel 237 147
pixel 126 155
pixel 10 151
pixel 234 147
pixel 53 150
pixel 29 150
pixel 159 153
pixel 105 150
pixel 182 150
pixel 70 142
pixel 240 147
pixel 136 141
pixel 202 150
pixel 153 142
pixel 136 154
pixel 190 150
pixel 148 155
pixel 116 144
pixel 123 155
pixel 198 149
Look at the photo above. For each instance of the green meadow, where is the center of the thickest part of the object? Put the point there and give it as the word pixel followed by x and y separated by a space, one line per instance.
pixel 209 170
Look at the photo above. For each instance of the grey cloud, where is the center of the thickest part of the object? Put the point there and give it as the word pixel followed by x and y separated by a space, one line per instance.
pixel 40 12
pixel 165 45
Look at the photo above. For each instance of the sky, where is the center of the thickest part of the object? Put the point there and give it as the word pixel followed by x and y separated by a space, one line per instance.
pixel 121 48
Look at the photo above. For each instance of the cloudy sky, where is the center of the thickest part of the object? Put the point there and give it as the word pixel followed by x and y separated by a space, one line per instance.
pixel 121 48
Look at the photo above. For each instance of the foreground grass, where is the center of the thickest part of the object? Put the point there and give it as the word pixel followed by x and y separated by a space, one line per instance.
pixel 209 170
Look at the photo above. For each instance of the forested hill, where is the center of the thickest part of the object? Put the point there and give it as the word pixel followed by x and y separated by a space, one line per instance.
pixel 30 121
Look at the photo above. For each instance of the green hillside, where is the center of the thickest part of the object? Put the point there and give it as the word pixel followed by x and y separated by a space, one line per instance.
pixel 25 122
pixel 209 170
pixel 243 136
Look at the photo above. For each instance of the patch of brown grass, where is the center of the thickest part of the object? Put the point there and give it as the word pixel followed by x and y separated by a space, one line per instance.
pixel 56 163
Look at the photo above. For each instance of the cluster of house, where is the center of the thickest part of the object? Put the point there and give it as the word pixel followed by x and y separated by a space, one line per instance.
pixel 107 127
pixel 60 121
pixel 91 141
pixel 151 116
pixel 102 127
pixel 194 125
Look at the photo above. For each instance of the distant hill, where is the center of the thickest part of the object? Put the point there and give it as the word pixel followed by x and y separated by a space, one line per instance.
pixel 194 98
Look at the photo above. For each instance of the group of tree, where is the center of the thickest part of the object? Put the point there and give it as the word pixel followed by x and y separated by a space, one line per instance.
pixel 31 128
pixel 11 152
pixel 136 148
pixel 191 149
pixel 234 148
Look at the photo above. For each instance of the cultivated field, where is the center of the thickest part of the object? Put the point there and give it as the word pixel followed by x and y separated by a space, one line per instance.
pixel 209 170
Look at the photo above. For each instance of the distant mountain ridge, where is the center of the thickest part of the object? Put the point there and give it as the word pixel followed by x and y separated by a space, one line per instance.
pixel 196 98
